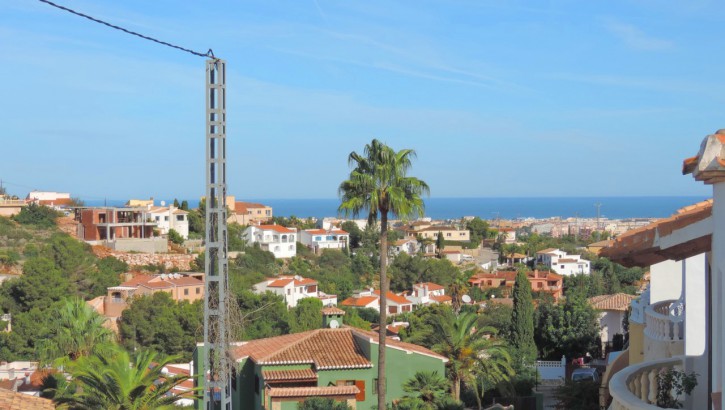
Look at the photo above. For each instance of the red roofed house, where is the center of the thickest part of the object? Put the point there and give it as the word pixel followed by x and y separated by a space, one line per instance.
pixel 318 239
pixel 368 298
pixel 181 286
pixel 248 213
pixel 612 310
pixel 293 289
pixel 541 281
pixel 281 241
pixel 561 263
pixel 335 362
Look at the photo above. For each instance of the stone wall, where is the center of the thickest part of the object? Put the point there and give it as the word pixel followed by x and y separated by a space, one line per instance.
pixel 181 262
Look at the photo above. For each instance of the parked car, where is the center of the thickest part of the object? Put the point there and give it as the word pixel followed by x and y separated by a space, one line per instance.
pixel 585 374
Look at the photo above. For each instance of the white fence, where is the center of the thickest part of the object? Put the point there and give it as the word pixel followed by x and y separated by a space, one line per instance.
pixel 551 369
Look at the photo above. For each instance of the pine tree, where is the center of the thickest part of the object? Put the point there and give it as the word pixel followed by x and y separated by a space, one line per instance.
pixel 522 320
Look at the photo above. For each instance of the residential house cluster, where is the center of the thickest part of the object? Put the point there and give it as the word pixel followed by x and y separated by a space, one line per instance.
pixel 282 241
pixel 422 294
pixel 427 230
pixel 541 281
pixel 293 289
pixel 248 213
pixel 562 263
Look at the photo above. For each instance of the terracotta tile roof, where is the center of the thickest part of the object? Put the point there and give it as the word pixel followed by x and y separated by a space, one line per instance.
pixel 276 228
pixel 305 282
pixel 397 299
pixel 9 384
pixel 243 207
pixel 442 298
pixel 373 336
pixel 709 163
pixel 545 251
pixel 324 348
pixel 312 391
pixel 289 375
pixel 639 247
pixel 332 310
pixel 438 228
pixel 618 301
pixel 362 301
pixel 606 242
pixel 157 282
pixel 326 232
pixel 280 283
pixel 516 255
pixel 10 400
pixel 431 285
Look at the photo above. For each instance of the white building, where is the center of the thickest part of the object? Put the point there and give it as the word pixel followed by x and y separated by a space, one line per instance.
pixel 168 218
pixel 293 289
pixel 678 324
pixel 318 239
pixel 612 310
pixel 428 293
pixel 562 263
pixel 369 298
pixel 408 246
pixel 281 241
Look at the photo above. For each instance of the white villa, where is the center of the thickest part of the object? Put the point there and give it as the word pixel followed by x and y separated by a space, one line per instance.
pixel 168 218
pixel 678 322
pixel 281 241
pixel 318 239
pixel 293 289
pixel 562 263
pixel 428 293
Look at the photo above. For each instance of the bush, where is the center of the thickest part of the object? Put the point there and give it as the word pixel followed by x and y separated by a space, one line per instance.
pixel 176 237
pixel 320 403
pixel 37 215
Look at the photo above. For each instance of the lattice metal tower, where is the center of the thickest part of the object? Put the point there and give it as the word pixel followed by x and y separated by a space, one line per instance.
pixel 217 393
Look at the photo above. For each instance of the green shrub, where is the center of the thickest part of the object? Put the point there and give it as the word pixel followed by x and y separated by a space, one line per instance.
pixel 37 215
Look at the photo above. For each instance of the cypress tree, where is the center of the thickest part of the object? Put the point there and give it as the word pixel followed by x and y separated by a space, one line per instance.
pixel 522 319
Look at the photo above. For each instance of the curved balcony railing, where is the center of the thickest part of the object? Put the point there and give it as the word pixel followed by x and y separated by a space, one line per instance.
pixel 635 387
pixel 664 321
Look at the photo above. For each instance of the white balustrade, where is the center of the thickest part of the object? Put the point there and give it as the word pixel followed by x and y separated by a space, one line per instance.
pixel 661 324
pixel 635 387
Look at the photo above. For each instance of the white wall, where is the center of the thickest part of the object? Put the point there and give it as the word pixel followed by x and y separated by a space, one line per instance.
pixel 665 281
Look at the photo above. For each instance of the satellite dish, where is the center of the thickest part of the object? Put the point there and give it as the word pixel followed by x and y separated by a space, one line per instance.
pixel 466 299
pixel 334 324
pixel 163 203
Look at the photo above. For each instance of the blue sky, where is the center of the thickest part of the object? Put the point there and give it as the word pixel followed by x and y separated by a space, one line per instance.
pixel 498 98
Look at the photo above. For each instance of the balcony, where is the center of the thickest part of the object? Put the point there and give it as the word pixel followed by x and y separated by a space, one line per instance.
pixel 635 387
pixel 664 321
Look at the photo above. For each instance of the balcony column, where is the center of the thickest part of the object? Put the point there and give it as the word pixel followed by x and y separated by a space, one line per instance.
pixel 718 269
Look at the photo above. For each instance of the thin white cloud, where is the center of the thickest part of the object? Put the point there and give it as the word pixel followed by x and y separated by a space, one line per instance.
pixel 637 39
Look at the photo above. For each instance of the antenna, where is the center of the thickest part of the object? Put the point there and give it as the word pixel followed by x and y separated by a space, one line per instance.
pixel 599 206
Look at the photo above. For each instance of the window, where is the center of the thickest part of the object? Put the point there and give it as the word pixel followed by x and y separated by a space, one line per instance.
pixel 562 266
pixel 289 291
pixel 198 291
pixel 186 292
pixel 291 247
pixel 449 234
pixel 179 217
pixel 318 238
pixel 158 218
pixel 166 218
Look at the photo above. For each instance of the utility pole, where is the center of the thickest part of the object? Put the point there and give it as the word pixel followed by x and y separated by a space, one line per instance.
pixel 217 392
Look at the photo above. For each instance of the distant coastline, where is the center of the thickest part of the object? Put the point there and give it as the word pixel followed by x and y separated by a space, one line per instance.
pixel 490 208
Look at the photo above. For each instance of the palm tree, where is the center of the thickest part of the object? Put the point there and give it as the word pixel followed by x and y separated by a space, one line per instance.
pixel 115 382
pixel 473 355
pixel 378 184
pixel 76 331
pixel 428 387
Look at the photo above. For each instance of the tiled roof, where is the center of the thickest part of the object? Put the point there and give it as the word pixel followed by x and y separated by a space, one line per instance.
pixel 10 400
pixel 276 228
pixel 605 242
pixel 359 302
pixel 516 255
pixel 332 310
pixel 451 252
pixel 709 163
pixel 374 337
pixel 157 282
pixel 618 301
pixel 392 297
pixel 305 281
pixel 280 283
pixel 639 247
pixel 325 348
pixel 431 285
pixel 313 391
pixel 289 375
pixel 442 298
pixel 546 251
pixel 438 228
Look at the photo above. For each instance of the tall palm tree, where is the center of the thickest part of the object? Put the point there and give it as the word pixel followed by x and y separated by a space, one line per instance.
pixel 115 382
pixel 378 184
pixel 76 331
pixel 472 354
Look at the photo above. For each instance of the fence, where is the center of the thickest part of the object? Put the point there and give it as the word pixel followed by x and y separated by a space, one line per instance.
pixel 551 369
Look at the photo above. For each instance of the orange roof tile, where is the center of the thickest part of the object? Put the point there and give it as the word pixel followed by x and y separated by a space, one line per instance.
pixel 325 348
pixel 332 310
pixel 442 298
pixel 325 232
pixel 374 337
pixel 276 228
pixel 545 251
pixel 280 283
pixel 289 375
pixel 397 299
pixel 359 302
pixel 637 247
pixel 431 285
pixel 618 301
pixel 305 281
pixel 312 391
pixel 709 163
pixel 10 400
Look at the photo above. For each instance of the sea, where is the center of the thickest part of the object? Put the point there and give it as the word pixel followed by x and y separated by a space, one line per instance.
pixel 490 208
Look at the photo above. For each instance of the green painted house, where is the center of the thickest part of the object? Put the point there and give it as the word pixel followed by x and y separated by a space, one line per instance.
pixel 337 361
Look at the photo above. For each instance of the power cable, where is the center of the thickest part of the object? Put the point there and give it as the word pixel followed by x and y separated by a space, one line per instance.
pixel 209 53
